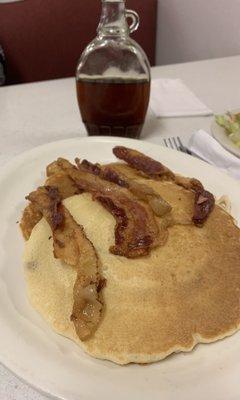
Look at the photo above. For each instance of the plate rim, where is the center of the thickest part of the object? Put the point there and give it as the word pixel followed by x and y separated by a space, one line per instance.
pixel 107 139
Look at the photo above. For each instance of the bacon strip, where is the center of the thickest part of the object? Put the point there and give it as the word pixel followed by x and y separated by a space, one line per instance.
pixel 47 201
pixel 65 185
pixel 143 192
pixel 136 231
pixel 72 246
pixel 188 183
pixel 57 179
pixel 156 170
pixel 31 216
pixel 142 163
pixel 203 206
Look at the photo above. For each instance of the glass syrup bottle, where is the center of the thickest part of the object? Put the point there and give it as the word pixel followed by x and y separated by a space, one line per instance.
pixel 113 76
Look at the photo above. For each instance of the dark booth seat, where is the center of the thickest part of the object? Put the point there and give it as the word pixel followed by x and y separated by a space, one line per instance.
pixel 43 39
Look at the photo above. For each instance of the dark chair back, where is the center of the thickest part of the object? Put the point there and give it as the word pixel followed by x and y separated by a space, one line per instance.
pixel 43 39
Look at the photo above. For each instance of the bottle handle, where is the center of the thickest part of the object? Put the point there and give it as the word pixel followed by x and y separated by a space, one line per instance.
pixel 135 20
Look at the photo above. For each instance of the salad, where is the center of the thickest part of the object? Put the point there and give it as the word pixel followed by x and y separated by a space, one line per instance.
pixel 231 123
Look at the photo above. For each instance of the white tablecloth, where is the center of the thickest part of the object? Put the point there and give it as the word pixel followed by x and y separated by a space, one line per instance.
pixel 34 114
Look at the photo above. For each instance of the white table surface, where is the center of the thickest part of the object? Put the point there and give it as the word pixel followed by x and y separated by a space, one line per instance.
pixel 33 114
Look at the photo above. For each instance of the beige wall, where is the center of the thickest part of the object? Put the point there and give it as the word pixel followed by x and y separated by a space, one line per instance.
pixel 191 30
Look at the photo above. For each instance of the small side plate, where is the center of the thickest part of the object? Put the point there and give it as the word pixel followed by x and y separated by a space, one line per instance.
pixel 220 135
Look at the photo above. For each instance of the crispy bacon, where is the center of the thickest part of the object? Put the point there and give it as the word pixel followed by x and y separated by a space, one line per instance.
pixel 143 192
pixel 156 170
pixel 72 246
pixel 203 205
pixel 105 172
pixel 56 179
pixel 136 230
pixel 53 169
pixel 90 167
pixel 50 201
pixel 142 163
pixel 64 184
pixel 188 183
pixel 31 216
pixel 114 176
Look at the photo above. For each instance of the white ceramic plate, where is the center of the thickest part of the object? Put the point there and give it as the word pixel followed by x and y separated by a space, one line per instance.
pixel 53 363
pixel 220 135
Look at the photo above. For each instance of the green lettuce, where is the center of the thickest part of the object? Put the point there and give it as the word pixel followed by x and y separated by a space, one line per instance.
pixel 231 123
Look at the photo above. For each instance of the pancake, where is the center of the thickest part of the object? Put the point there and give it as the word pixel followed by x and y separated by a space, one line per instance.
pixel 181 294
